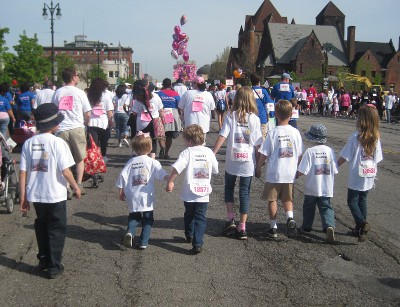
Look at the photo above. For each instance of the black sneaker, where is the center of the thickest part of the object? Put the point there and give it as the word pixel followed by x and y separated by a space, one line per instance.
pixel 162 153
pixel 272 233
pixel 196 249
pixel 54 274
pixel 241 234
pixel 43 262
pixel 230 226
pixel 189 239
pixel 291 227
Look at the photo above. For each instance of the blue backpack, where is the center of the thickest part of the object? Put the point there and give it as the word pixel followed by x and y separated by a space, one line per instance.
pixel 221 105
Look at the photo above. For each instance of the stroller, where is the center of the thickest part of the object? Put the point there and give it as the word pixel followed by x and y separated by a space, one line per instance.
pixel 9 193
pixel 25 131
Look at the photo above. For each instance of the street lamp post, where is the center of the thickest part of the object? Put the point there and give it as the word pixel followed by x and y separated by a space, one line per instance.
pixel 52 9
pixel 98 48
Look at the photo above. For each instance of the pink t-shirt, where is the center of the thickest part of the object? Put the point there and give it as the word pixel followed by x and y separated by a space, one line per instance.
pixel 345 100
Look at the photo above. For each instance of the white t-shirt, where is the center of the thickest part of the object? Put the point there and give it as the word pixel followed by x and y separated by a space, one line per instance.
pixel 44 157
pixel 319 165
pixel 231 95
pixel 98 116
pixel 283 147
pixel 197 107
pixel 137 180
pixel 200 163
pixel 362 169
pixel 241 139
pixel 143 117
pixel 220 95
pixel 180 89
pixel 72 103
pixel 43 96
pixel 119 103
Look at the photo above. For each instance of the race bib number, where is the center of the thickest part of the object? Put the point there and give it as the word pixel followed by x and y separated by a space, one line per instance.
pixel 145 116
pixel 367 169
pixel 271 107
pixel 66 103
pixel 200 190
pixel 168 116
pixel 295 114
pixel 98 111
pixel 241 154
pixel 284 87
pixel 197 106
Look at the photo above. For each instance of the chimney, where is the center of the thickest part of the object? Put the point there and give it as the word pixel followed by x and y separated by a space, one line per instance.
pixel 351 43
pixel 399 44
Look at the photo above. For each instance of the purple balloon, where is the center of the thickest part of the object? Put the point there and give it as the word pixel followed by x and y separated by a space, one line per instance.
pixel 177 30
pixel 174 54
pixel 185 56
pixel 183 20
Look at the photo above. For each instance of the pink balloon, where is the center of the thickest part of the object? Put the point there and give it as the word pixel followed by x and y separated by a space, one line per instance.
pixel 177 30
pixel 181 36
pixel 183 20
pixel 174 54
pixel 185 56
pixel 175 45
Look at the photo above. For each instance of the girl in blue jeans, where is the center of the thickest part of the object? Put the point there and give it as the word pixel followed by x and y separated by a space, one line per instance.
pixel 242 128
pixel 363 152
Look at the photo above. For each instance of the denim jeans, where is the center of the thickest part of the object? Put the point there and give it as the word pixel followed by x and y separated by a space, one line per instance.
pixel 3 125
pixel 51 229
pixel 357 202
pixel 121 120
pixel 195 221
pixel 388 115
pixel 244 191
pixel 147 220
pixel 325 210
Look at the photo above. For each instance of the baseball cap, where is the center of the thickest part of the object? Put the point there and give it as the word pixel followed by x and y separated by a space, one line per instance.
pixel 286 76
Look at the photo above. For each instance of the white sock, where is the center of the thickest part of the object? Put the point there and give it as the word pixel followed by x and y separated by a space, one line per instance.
pixel 289 214
pixel 272 224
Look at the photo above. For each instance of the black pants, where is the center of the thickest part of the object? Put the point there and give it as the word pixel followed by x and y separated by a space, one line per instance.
pixel 100 137
pixel 51 229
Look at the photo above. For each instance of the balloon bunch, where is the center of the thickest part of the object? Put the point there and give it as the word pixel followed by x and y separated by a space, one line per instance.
pixel 180 41
pixel 237 73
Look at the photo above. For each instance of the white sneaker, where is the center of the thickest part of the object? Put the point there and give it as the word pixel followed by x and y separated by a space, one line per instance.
pixel 142 247
pixel 126 142
pixel 120 145
pixel 330 235
pixel 128 240
pixel 105 159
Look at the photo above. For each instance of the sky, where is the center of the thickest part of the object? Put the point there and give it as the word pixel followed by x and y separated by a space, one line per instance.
pixel 147 26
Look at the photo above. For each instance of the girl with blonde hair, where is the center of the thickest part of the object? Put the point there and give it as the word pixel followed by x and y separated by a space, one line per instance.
pixel 363 152
pixel 242 128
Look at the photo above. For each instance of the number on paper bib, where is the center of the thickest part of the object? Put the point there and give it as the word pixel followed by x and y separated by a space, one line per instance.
pixel 367 169
pixel 66 103
pixel 197 106
pixel 200 190
pixel 240 154
pixel 168 116
pixel 284 88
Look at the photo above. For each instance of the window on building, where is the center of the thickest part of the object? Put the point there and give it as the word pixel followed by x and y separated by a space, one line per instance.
pixel 111 74
pixel 363 73
pixel 373 74
pixel 368 57
pixel 383 74
pixel 116 74
pixel 301 68
pixel 330 72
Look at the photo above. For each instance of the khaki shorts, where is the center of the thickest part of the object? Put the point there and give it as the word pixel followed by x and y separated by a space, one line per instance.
pixel 76 140
pixel 275 191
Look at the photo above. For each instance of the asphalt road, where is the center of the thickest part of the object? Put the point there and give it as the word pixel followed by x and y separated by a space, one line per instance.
pixel 305 271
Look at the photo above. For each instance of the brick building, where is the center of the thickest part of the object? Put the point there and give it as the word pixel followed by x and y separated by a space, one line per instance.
pixel 270 45
pixel 116 61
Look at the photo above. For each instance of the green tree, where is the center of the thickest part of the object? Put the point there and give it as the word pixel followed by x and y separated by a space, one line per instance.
pixel 63 61
pixel 4 56
pixel 89 72
pixel 218 66
pixel 29 65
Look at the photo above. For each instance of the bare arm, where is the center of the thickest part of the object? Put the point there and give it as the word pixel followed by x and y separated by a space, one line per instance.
pixel 340 161
pixel 260 162
pixel 25 206
pixel 218 144
pixel 70 179
pixel 172 177
pixel 86 118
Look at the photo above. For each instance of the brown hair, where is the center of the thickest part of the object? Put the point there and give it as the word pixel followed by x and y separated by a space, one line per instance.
pixel 244 103
pixel 141 144
pixel 283 109
pixel 293 101
pixel 368 128
pixel 194 134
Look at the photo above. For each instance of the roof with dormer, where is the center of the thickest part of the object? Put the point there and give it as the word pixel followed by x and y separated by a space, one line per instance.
pixel 383 52
pixel 264 11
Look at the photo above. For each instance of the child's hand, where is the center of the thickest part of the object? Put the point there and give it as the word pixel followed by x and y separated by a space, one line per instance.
pixel 25 207
pixel 258 172
pixel 121 195
pixel 77 193
pixel 170 187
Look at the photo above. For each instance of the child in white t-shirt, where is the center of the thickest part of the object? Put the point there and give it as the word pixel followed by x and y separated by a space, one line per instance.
pixel 199 162
pixel 363 152
pixel 242 128
pixel 282 147
pixel 136 187
pixel 319 166
pixel 44 173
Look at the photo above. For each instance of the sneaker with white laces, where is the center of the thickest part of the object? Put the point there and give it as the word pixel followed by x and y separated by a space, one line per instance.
pixel 272 233
pixel 128 240
pixel 330 235
pixel 241 234
pixel 120 144
pixel 142 247
pixel 230 226
pixel 291 227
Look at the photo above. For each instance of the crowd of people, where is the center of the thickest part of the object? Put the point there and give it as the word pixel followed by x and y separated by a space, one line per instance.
pixel 260 129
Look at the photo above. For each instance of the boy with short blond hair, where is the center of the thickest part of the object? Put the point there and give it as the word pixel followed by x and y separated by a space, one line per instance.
pixel 282 149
